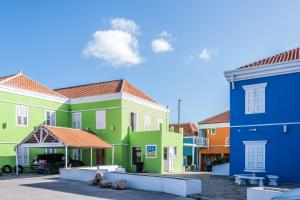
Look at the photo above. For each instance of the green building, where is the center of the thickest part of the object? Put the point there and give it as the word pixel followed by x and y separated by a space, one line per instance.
pixel 132 122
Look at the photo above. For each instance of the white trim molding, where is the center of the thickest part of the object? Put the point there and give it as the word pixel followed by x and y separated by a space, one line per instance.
pixel 28 93
pixel 215 125
pixel 89 99
pixel 263 71
pixel 270 124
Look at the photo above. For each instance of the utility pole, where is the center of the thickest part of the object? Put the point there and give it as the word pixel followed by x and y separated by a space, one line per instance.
pixel 179 105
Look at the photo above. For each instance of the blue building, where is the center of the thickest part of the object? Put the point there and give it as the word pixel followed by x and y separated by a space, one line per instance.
pixel 265 117
pixel 191 145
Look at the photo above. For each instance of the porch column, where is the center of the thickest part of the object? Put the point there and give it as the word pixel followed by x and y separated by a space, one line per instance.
pixel 91 156
pixel 17 161
pixel 66 157
pixel 113 155
pixel 193 155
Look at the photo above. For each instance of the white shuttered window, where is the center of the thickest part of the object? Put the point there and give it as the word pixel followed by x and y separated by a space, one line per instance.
pixel 21 115
pixel 255 155
pixel 50 116
pixel 255 98
pixel 100 119
pixel 76 120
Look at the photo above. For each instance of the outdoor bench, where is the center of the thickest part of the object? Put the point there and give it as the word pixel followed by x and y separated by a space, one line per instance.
pixel 242 178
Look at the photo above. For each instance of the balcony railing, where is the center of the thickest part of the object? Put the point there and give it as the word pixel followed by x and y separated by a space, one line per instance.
pixel 202 142
pixel 227 141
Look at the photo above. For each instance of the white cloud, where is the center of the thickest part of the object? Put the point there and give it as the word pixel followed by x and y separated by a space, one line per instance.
pixel 117 46
pixel 124 25
pixel 163 43
pixel 207 54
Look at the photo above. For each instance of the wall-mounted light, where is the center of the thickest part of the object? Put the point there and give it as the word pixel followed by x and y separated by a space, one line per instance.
pixel 113 127
pixel 4 125
pixel 285 128
pixel 252 129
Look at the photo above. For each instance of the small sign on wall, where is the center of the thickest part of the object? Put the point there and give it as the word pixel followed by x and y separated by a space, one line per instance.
pixel 151 151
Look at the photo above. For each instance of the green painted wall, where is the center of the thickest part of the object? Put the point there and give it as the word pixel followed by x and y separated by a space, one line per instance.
pixel 116 132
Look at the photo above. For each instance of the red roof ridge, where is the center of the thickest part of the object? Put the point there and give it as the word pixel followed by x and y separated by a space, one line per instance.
pixel 283 57
pixel 223 117
pixel 3 79
pixel 87 84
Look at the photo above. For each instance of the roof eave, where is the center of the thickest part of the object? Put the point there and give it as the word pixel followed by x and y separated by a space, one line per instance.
pixel 262 71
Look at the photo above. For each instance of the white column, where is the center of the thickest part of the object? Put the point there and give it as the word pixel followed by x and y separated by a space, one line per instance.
pixel 66 156
pixel 17 161
pixel 193 155
pixel 91 156
pixel 113 156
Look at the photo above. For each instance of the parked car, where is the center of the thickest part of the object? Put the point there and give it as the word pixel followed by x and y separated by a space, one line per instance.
pixel 50 163
pixel 289 195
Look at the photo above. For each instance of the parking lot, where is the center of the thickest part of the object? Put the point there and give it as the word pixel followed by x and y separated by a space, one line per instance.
pixel 37 187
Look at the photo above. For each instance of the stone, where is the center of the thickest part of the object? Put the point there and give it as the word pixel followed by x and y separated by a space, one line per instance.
pixel 121 185
pixel 96 181
pixel 105 184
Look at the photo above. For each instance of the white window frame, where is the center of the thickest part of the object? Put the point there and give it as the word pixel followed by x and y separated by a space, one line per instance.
pixel 52 112
pixel 18 111
pixel 159 122
pixel 23 156
pixel 255 145
pixel 100 119
pixel 75 155
pixel 49 150
pixel 211 131
pixel 135 122
pixel 147 122
pixel 76 118
pixel 254 90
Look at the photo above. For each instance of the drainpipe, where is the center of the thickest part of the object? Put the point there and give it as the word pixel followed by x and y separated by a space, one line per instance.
pixel 17 162
pixel 232 82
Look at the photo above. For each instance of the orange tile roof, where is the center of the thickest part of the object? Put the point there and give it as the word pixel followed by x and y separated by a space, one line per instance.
pixel 23 82
pixel 220 118
pixel 102 88
pixel 290 55
pixel 189 129
pixel 77 138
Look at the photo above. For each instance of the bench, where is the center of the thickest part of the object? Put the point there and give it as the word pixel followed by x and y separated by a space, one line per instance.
pixel 272 180
pixel 242 178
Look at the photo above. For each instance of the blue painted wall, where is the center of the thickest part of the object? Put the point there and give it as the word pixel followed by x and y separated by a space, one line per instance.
pixel 282 106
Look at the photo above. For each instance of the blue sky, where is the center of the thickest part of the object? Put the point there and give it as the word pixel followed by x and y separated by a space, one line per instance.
pixel 169 49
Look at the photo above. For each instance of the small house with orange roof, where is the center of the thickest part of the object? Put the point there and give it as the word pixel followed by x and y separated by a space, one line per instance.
pixel 214 139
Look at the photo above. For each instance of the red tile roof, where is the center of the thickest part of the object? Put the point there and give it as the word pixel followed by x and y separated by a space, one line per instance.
pixel 102 88
pixel 220 118
pixel 286 56
pixel 77 138
pixel 189 129
pixel 23 82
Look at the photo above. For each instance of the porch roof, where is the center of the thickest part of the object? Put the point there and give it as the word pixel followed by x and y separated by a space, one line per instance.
pixel 52 136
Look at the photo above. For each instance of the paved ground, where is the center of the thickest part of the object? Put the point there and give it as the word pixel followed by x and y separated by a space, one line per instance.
pixel 34 187
pixel 223 187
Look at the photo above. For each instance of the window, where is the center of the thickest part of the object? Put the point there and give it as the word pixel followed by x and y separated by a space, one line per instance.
pixel 136 155
pixel 147 122
pixel 50 116
pixel 76 120
pixel 255 98
pixel 100 119
pixel 159 122
pixel 49 150
pixel 213 131
pixel 22 115
pixel 133 121
pixel 255 155
pixel 23 156
pixel 77 154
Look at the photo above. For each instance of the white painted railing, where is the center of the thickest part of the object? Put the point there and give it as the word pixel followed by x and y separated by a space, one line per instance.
pixel 202 142
pixel 227 141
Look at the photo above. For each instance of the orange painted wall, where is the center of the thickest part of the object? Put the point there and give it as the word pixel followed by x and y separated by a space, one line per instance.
pixel 217 142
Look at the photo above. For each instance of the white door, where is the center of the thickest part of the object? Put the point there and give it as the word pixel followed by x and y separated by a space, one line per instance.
pixel 172 156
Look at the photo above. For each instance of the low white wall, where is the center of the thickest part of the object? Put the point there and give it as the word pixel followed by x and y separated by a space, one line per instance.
pixel 177 186
pixel 222 170
pixel 85 173
pixel 263 193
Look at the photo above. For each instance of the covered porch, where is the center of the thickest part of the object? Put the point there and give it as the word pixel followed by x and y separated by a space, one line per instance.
pixel 46 136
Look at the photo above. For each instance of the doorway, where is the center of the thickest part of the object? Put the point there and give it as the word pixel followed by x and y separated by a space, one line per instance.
pixel 100 156
pixel 169 159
